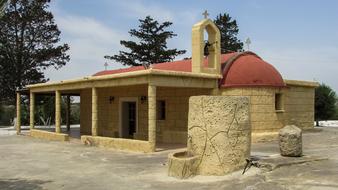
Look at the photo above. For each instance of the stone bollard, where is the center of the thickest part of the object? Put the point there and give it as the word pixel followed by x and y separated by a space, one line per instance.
pixel 290 141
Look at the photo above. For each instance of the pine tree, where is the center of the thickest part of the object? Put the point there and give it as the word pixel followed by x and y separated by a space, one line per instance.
pixel 229 30
pixel 151 45
pixel 325 103
pixel 2 6
pixel 29 44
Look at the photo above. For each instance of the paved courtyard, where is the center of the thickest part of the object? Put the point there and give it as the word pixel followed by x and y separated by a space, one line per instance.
pixel 28 163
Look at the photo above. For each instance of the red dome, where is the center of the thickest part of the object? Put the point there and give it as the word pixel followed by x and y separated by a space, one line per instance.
pixel 247 69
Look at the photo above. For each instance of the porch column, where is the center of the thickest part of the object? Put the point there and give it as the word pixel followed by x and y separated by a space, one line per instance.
pixel 68 113
pixel 18 113
pixel 152 116
pixel 31 110
pixel 94 111
pixel 57 111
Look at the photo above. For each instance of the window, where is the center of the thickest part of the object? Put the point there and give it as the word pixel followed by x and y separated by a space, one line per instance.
pixel 279 102
pixel 160 110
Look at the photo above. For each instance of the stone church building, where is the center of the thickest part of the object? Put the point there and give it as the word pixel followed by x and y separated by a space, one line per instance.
pixel 137 108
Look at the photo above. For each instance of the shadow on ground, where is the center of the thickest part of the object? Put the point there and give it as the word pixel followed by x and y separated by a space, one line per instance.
pixel 22 184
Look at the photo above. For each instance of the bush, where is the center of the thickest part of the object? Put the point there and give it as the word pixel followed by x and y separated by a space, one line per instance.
pixel 325 103
pixel 335 116
pixel 7 114
pixel 44 112
pixel 75 113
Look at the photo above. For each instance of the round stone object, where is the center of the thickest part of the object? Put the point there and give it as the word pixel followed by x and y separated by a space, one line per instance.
pixel 182 165
pixel 290 141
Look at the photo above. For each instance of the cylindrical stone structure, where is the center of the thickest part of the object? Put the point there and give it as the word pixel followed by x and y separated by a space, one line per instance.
pixel 57 111
pixel 152 117
pixel 18 113
pixel 31 109
pixel 94 112
pixel 219 133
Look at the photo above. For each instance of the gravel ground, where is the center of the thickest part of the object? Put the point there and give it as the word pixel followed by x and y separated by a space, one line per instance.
pixel 28 163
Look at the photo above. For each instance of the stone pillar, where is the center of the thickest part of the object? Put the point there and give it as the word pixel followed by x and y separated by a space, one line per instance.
pixel 57 111
pixel 18 113
pixel 94 112
pixel 31 110
pixel 152 117
pixel 68 113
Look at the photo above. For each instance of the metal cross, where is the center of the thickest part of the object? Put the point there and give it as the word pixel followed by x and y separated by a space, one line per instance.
pixel 248 42
pixel 105 65
pixel 205 14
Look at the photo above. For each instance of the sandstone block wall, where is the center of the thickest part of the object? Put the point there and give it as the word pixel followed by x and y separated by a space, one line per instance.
pixel 108 112
pixel 85 112
pixel 52 136
pixel 219 133
pixel 264 117
pixel 117 143
pixel 171 130
pixel 298 109
pixel 299 106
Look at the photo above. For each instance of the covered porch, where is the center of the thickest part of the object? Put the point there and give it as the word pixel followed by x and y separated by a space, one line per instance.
pixel 130 111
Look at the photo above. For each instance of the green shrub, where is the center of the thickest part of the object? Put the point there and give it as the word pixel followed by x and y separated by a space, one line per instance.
pixel 325 103
pixel 7 114
pixel 75 113
pixel 335 116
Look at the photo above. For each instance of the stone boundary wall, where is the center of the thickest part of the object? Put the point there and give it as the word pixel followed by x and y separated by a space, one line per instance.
pixel 49 135
pixel 117 143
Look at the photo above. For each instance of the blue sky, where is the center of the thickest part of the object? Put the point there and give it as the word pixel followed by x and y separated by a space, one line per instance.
pixel 300 38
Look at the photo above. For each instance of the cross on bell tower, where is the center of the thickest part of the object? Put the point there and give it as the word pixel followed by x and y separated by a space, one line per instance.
pixel 205 14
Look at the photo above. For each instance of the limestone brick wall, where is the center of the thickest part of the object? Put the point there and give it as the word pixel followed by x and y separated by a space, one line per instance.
pixel 263 115
pixel 175 127
pixel 108 112
pixel 85 111
pixel 171 130
pixel 299 106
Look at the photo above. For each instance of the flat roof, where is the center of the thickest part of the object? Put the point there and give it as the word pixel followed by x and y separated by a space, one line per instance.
pixel 132 74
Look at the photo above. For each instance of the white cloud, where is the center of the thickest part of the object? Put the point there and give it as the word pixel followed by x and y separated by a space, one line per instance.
pixel 183 19
pixel 141 9
pixel 303 63
pixel 88 28
pixel 137 9
pixel 89 40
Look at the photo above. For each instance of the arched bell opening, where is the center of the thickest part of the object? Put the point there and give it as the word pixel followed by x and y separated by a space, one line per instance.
pixel 206 48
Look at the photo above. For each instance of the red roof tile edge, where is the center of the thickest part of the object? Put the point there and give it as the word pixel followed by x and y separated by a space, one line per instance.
pixel 227 61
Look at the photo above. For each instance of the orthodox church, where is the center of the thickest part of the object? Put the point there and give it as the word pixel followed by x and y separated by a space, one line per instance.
pixel 136 108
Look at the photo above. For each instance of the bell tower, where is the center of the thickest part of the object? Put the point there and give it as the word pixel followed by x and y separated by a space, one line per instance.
pixel 209 50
